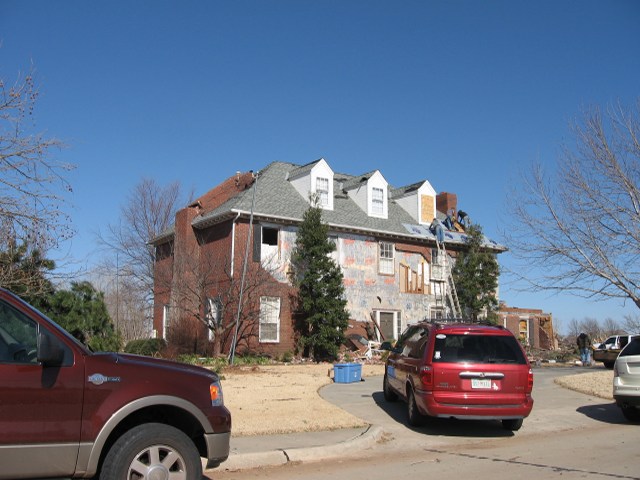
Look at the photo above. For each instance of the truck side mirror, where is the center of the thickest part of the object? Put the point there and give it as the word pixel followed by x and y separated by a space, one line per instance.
pixel 386 346
pixel 50 351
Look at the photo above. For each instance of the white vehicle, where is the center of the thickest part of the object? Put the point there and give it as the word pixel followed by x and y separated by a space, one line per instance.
pixel 626 380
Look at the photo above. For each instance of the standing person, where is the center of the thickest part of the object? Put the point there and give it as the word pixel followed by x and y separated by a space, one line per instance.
pixel 437 229
pixel 584 343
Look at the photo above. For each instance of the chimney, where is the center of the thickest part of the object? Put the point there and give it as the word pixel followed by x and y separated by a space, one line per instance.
pixel 445 201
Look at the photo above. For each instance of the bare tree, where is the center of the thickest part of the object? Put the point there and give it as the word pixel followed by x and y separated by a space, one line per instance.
pixel 32 182
pixel 579 231
pixel 632 323
pixel 207 294
pixel 149 210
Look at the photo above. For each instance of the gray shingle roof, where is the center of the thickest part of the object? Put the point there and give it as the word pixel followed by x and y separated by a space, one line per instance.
pixel 276 198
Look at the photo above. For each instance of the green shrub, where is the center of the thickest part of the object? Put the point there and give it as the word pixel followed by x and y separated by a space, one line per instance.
pixel 146 346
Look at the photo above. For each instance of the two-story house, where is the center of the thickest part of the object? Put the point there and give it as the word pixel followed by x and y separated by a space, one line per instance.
pixel 393 271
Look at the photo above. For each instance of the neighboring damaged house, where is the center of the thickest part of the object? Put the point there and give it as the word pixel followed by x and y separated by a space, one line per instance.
pixel 392 269
pixel 532 326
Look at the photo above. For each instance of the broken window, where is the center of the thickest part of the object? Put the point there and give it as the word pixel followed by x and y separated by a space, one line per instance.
pixel 412 281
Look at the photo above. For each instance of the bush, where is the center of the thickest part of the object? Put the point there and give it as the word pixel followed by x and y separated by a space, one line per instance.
pixel 146 346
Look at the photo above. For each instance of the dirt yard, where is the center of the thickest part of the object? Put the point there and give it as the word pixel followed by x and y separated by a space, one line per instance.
pixel 284 398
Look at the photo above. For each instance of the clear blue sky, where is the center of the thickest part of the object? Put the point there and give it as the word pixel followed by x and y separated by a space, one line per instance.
pixel 462 93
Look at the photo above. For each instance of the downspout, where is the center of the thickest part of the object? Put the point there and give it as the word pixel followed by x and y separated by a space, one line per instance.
pixel 233 243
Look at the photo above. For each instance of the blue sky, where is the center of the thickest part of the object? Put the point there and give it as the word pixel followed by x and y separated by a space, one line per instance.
pixel 464 94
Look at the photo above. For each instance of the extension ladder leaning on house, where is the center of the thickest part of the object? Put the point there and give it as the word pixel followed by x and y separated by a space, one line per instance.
pixel 453 305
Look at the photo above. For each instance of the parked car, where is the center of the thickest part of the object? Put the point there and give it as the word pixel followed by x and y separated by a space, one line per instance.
pixel 461 370
pixel 68 412
pixel 608 351
pixel 626 380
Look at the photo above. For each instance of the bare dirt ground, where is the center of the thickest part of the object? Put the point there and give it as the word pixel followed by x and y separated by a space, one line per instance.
pixel 284 398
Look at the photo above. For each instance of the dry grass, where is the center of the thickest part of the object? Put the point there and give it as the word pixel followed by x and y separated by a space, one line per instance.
pixel 284 399
pixel 598 383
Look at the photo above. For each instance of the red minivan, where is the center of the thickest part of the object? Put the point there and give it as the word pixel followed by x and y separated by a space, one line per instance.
pixel 460 370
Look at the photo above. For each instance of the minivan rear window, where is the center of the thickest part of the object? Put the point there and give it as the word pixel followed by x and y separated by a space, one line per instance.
pixel 477 349
pixel 633 348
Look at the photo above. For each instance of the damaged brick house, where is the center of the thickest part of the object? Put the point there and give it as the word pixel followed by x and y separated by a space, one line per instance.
pixel 393 271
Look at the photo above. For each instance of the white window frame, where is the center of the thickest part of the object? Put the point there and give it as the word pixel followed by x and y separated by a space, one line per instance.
pixel 322 191
pixel 165 321
pixel 213 315
pixel 269 314
pixel 377 201
pixel 386 258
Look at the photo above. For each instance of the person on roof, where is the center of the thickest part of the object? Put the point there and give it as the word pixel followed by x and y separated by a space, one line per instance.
pixel 437 229
pixel 463 218
pixel 448 222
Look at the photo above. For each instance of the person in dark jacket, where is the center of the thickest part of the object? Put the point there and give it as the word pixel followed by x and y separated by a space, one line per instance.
pixel 584 346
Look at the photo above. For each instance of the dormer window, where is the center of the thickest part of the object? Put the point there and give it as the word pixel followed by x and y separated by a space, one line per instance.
pixel 322 191
pixel 314 181
pixel 377 201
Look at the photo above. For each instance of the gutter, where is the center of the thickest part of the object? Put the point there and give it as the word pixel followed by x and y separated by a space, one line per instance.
pixel 233 243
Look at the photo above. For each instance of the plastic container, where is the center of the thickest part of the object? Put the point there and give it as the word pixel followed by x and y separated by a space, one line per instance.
pixel 347 372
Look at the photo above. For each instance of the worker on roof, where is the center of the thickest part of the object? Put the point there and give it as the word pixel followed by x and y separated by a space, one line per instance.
pixel 463 218
pixel 437 229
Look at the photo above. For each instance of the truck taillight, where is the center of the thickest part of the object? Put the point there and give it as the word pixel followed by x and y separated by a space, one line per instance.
pixel 215 390
pixel 426 376
pixel 530 381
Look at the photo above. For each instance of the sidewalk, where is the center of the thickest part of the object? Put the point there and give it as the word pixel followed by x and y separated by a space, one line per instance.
pixel 272 450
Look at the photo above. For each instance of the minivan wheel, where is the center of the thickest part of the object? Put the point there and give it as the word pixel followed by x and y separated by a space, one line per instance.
pixel 416 419
pixel 631 413
pixel 389 395
pixel 152 451
pixel 512 424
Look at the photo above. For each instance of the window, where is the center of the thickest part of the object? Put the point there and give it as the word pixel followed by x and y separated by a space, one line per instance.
pixel 18 336
pixel 412 281
pixel 322 190
pixel 269 330
pixel 386 264
pixel 214 316
pixel 377 201
pixel 165 321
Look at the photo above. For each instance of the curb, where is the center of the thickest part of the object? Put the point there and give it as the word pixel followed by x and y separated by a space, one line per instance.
pixel 273 458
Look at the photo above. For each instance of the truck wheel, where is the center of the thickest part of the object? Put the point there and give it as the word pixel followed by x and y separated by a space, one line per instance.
pixel 152 451
pixel 609 365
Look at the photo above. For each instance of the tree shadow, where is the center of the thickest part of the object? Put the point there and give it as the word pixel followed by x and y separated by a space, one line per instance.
pixel 445 427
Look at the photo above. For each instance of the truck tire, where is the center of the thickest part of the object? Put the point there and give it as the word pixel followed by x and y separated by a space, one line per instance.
pixel 152 450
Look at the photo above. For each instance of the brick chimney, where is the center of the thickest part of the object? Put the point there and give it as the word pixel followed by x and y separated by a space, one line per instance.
pixel 445 201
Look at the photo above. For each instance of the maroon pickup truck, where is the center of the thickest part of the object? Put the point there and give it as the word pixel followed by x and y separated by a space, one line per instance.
pixel 68 412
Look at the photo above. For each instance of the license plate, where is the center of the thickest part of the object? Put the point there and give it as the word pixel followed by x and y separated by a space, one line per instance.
pixel 481 383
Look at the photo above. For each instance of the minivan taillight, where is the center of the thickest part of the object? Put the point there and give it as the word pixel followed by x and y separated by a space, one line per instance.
pixel 530 381
pixel 426 376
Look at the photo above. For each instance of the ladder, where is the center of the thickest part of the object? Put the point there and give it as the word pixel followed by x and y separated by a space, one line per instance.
pixel 451 293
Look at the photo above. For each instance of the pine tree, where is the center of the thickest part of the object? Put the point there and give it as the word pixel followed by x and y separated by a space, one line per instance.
pixel 476 274
pixel 321 309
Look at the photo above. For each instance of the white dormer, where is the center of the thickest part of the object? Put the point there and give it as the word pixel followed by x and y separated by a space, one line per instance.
pixel 370 192
pixel 315 179
pixel 419 200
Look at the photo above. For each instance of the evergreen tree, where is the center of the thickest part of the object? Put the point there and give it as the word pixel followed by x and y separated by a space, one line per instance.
pixel 82 312
pixel 321 311
pixel 476 274
pixel 24 270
